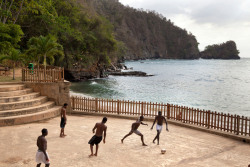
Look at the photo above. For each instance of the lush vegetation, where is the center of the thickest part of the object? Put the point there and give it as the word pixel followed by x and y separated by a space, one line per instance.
pixel 147 34
pixel 226 50
pixel 57 32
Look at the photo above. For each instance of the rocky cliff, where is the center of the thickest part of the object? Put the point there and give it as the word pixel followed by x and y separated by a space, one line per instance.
pixel 146 34
pixel 226 50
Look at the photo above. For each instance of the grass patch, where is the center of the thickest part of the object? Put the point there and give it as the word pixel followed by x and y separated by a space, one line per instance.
pixel 10 79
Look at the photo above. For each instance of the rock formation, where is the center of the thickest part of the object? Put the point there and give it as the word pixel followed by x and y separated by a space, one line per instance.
pixel 226 50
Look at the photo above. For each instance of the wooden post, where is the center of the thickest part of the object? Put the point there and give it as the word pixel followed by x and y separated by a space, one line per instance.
pixel 215 120
pixel 221 120
pixel 242 122
pixel 96 105
pixel 208 119
pixel 142 112
pixel 73 102
pixel 246 126
pixel 224 121
pixel 118 108
pixel 168 111
pixel 63 74
pixel 231 124
pixel 238 125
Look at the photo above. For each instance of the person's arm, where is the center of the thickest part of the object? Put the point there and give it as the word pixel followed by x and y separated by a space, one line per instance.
pixel 144 123
pixel 104 135
pixel 166 124
pixel 153 123
pixel 94 128
pixel 43 149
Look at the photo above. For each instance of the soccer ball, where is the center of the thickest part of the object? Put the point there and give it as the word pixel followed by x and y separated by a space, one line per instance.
pixel 163 151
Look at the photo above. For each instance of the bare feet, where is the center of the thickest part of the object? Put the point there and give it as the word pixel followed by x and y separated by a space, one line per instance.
pixel 95 154
pixel 144 144
pixel 158 144
pixel 122 141
pixel 153 141
pixel 91 155
pixel 61 136
pixel 64 135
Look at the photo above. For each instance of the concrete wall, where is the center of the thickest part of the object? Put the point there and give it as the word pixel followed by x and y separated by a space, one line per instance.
pixel 57 91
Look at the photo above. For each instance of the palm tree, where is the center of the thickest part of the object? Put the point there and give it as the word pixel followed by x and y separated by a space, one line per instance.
pixel 46 47
pixel 15 56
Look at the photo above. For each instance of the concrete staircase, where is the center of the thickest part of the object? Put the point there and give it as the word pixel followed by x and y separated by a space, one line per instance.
pixel 20 105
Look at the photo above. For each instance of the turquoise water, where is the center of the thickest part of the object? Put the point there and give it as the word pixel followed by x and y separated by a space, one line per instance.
pixel 217 85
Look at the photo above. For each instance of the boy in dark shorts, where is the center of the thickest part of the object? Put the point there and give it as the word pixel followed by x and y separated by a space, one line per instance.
pixel 101 128
pixel 63 119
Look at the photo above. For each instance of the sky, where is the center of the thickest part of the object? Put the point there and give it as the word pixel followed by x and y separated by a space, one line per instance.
pixel 211 21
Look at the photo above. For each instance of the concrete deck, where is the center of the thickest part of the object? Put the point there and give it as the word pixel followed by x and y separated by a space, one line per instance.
pixel 185 147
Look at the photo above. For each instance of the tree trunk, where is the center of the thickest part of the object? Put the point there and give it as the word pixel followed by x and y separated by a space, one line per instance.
pixel 44 62
pixel 14 71
pixel 21 6
pixel 5 18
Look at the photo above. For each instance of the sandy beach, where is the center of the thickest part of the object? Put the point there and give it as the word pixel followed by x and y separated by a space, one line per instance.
pixel 185 147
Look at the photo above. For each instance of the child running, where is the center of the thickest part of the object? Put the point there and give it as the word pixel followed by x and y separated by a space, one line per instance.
pixel 159 118
pixel 134 128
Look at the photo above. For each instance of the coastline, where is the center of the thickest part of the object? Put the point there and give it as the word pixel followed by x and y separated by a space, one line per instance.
pixel 71 93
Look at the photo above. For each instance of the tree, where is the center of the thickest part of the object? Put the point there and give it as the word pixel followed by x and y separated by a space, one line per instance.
pixel 15 56
pixel 10 36
pixel 46 47
pixel 10 10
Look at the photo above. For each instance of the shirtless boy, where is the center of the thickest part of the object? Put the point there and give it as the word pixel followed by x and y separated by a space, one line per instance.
pixel 101 128
pixel 134 128
pixel 63 119
pixel 159 118
pixel 42 155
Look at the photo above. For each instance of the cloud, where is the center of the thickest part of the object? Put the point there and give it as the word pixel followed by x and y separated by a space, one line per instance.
pixel 211 21
pixel 212 11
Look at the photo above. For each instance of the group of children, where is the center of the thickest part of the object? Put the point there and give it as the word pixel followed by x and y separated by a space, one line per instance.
pixel 100 134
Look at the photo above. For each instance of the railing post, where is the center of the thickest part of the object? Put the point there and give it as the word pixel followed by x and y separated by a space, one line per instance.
pixel 22 74
pixel 118 107
pixel 238 125
pixel 63 74
pixel 96 105
pixel 208 119
pixel 168 111
pixel 73 102
pixel 142 113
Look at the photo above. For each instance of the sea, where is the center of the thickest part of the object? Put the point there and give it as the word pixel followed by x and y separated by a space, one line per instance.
pixel 216 85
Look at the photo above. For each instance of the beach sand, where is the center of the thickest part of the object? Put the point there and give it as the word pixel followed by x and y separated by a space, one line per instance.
pixel 185 147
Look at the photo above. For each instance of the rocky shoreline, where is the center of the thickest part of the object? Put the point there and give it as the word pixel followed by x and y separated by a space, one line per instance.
pixel 129 73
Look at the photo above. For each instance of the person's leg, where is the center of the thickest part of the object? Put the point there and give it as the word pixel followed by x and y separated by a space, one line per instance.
pixel 142 140
pixel 61 133
pixel 96 150
pixel 91 149
pixel 47 165
pixel 158 137
pixel 38 165
pixel 155 137
pixel 130 133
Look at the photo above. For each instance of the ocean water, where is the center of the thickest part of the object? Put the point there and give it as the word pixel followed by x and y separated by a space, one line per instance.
pixel 216 85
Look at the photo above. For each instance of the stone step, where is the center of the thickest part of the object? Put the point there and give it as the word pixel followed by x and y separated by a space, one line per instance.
pixel 6 88
pixel 28 110
pixel 16 93
pixel 23 104
pixel 28 118
pixel 19 98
